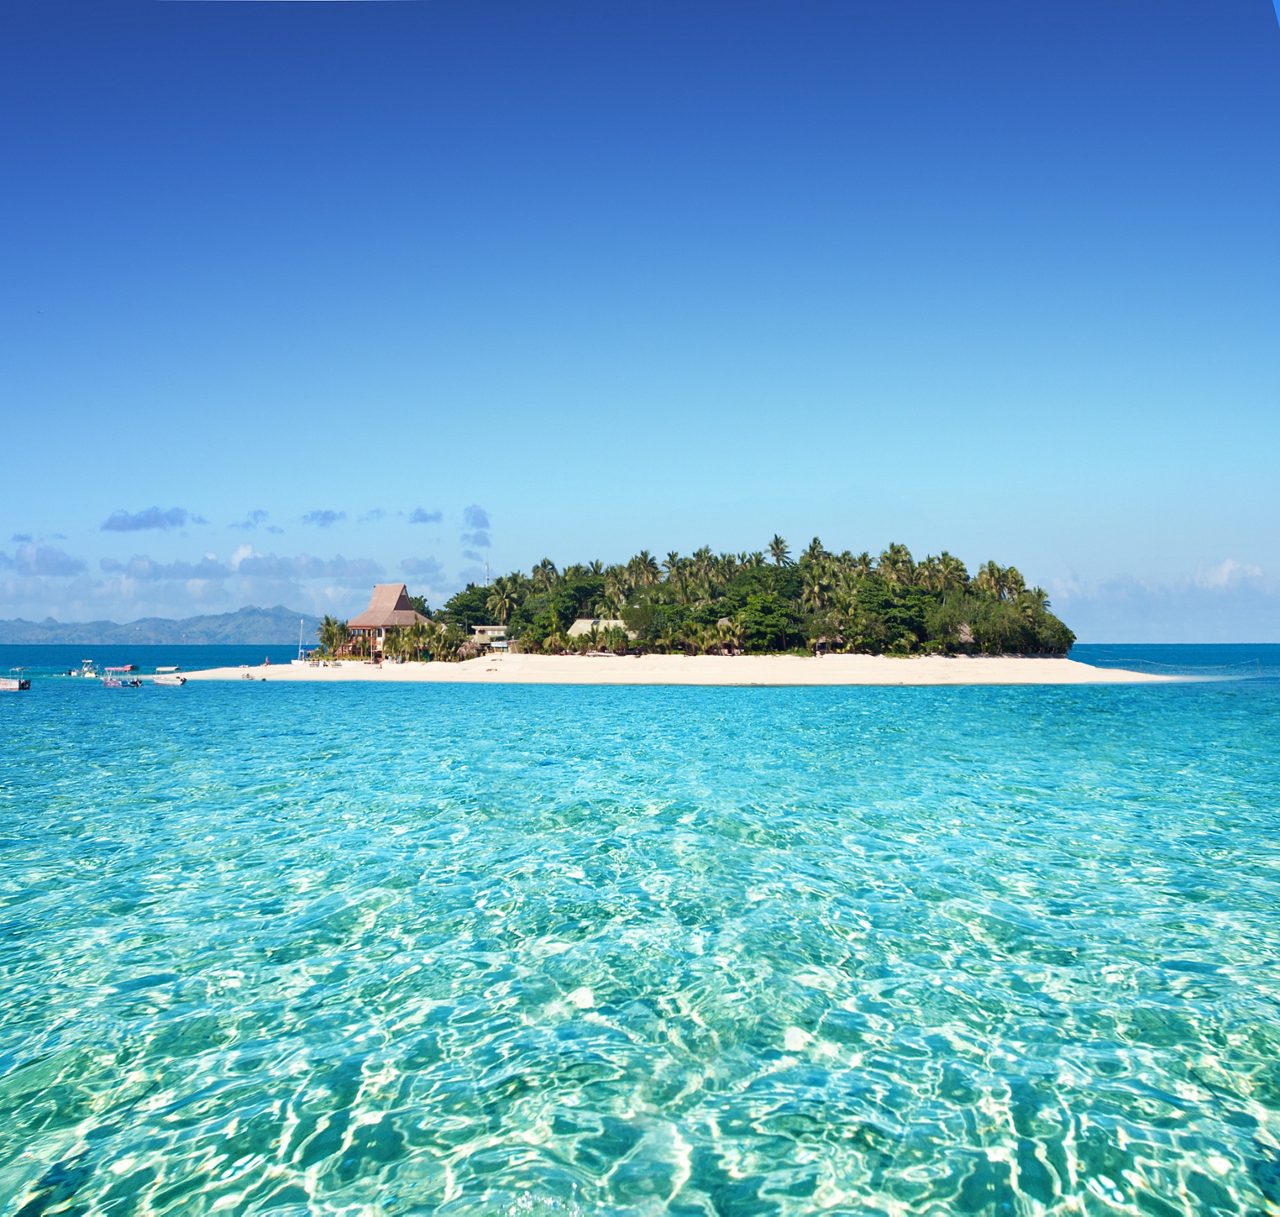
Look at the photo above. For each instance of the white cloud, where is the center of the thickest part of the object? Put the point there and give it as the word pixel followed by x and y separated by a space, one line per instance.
pixel 1227 573
pixel 1226 601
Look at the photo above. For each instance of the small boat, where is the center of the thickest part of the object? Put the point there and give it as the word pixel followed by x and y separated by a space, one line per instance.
pixel 88 669
pixel 164 671
pixel 168 679
pixel 119 677
pixel 17 683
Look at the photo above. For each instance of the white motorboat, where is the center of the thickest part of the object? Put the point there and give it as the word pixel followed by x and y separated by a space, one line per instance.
pixel 123 676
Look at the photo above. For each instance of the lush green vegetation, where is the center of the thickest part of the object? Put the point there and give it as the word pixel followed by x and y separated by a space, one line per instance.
pixel 750 602
pixel 755 603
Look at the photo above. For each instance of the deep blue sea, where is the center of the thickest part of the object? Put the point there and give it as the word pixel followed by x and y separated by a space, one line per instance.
pixel 39 661
pixel 362 949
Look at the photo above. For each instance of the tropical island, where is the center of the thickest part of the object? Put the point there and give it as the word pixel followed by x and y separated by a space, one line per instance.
pixel 727 604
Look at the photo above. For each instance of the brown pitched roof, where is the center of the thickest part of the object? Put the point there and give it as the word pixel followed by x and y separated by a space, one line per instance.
pixel 388 606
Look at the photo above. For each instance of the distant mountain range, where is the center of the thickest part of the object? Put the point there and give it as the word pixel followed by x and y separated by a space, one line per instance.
pixel 247 626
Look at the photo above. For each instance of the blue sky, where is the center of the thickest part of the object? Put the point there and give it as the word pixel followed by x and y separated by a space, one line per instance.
pixel 298 297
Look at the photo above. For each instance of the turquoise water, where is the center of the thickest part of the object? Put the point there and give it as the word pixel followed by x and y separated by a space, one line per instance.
pixel 459 950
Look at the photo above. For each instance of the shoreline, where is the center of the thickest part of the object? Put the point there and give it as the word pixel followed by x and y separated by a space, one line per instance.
pixel 707 670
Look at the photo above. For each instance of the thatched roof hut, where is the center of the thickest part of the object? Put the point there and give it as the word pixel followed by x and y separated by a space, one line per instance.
pixel 389 606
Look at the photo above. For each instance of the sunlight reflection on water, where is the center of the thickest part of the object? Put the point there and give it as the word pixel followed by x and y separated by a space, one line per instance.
pixel 477 950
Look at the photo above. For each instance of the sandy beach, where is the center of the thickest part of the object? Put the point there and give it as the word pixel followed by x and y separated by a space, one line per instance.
pixel 702 670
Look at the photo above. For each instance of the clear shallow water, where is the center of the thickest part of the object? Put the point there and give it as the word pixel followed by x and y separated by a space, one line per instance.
pixel 562 950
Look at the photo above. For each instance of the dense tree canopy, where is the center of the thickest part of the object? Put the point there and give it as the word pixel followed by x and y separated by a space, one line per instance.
pixel 758 603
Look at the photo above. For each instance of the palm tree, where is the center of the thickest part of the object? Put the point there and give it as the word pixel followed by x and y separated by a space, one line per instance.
pixel 616 593
pixel 606 606
pixel 544 574
pixel 443 641
pixel 395 644
pixel 929 574
pixel 815 552
pixel 895 564
pixel 677 569
pixel 846 589
pixel 417 636
pixel 614 639
pixel 502 599
pixel 813 591
pixel 669 640
pixel 1032 603
pixel 647 570
pixel 705 638
pixel 779 552
pixel 997 581
pixel 334 634
pixel 954 575
pixel 729 634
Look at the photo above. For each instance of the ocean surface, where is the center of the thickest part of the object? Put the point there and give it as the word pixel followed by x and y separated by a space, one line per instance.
pixel 58 660
pixel 290 948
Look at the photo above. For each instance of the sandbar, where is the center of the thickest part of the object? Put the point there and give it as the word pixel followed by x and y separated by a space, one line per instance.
pixel 779 670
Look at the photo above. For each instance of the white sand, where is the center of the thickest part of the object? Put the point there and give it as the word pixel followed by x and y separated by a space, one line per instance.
pixel 704 670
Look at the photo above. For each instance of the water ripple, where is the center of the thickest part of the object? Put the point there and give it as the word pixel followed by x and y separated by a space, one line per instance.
pixel 502 950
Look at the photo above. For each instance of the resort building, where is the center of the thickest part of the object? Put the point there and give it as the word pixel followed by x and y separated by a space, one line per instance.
pixel 389 608
pixel 492 637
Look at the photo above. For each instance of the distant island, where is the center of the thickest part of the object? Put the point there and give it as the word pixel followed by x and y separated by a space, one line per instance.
pixel 248 626
pixel 727 604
